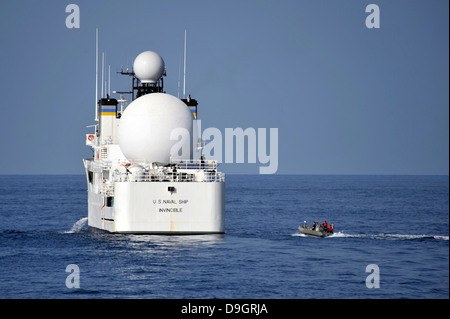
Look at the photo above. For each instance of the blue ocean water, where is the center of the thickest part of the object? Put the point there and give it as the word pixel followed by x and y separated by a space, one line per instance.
pixel 399 223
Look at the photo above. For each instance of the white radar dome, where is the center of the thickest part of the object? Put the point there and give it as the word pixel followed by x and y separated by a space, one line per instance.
pixel 146 126
pixel 148 67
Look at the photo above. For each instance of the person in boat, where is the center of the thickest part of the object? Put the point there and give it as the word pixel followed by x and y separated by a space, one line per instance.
pixel 325 225
pixel 313 226
pixel 330 229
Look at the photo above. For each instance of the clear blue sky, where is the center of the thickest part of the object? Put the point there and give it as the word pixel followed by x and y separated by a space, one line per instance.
pixel 346 99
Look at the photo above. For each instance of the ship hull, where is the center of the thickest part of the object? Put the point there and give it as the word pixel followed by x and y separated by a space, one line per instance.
pixel 159 208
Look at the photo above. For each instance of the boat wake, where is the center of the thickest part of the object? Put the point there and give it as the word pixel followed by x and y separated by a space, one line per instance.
pixel 78 226
pixel 380 236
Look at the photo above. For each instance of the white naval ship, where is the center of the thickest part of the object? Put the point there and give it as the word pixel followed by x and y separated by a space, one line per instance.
pixel 142 178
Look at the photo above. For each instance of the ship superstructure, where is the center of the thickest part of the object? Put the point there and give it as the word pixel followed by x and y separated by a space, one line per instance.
pixel 145 175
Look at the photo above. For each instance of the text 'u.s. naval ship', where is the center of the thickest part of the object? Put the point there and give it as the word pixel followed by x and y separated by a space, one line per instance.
pixel 137 182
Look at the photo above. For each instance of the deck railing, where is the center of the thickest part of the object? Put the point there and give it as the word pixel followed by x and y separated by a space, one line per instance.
pixel 178 176
pixel 176 171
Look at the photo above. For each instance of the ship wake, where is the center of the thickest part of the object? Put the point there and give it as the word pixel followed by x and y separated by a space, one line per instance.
pixel 382 236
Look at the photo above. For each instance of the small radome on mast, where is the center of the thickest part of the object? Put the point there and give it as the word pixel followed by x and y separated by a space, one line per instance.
pixel 149 67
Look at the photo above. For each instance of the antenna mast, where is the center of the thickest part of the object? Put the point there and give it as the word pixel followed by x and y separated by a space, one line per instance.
pixel 105 79
pixel 109 79
pixel 96 74
pixel 184 77
pixel 103 70
pixel 179 74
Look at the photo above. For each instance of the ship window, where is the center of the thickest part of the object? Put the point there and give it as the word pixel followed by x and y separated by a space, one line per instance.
pixel 90 176
pixel 109 201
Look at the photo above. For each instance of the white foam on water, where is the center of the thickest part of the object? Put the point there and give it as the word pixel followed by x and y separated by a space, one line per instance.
pixel 388 236
pixel 77 226
pixel 380 236
pixel 340 234
pixel 298 235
